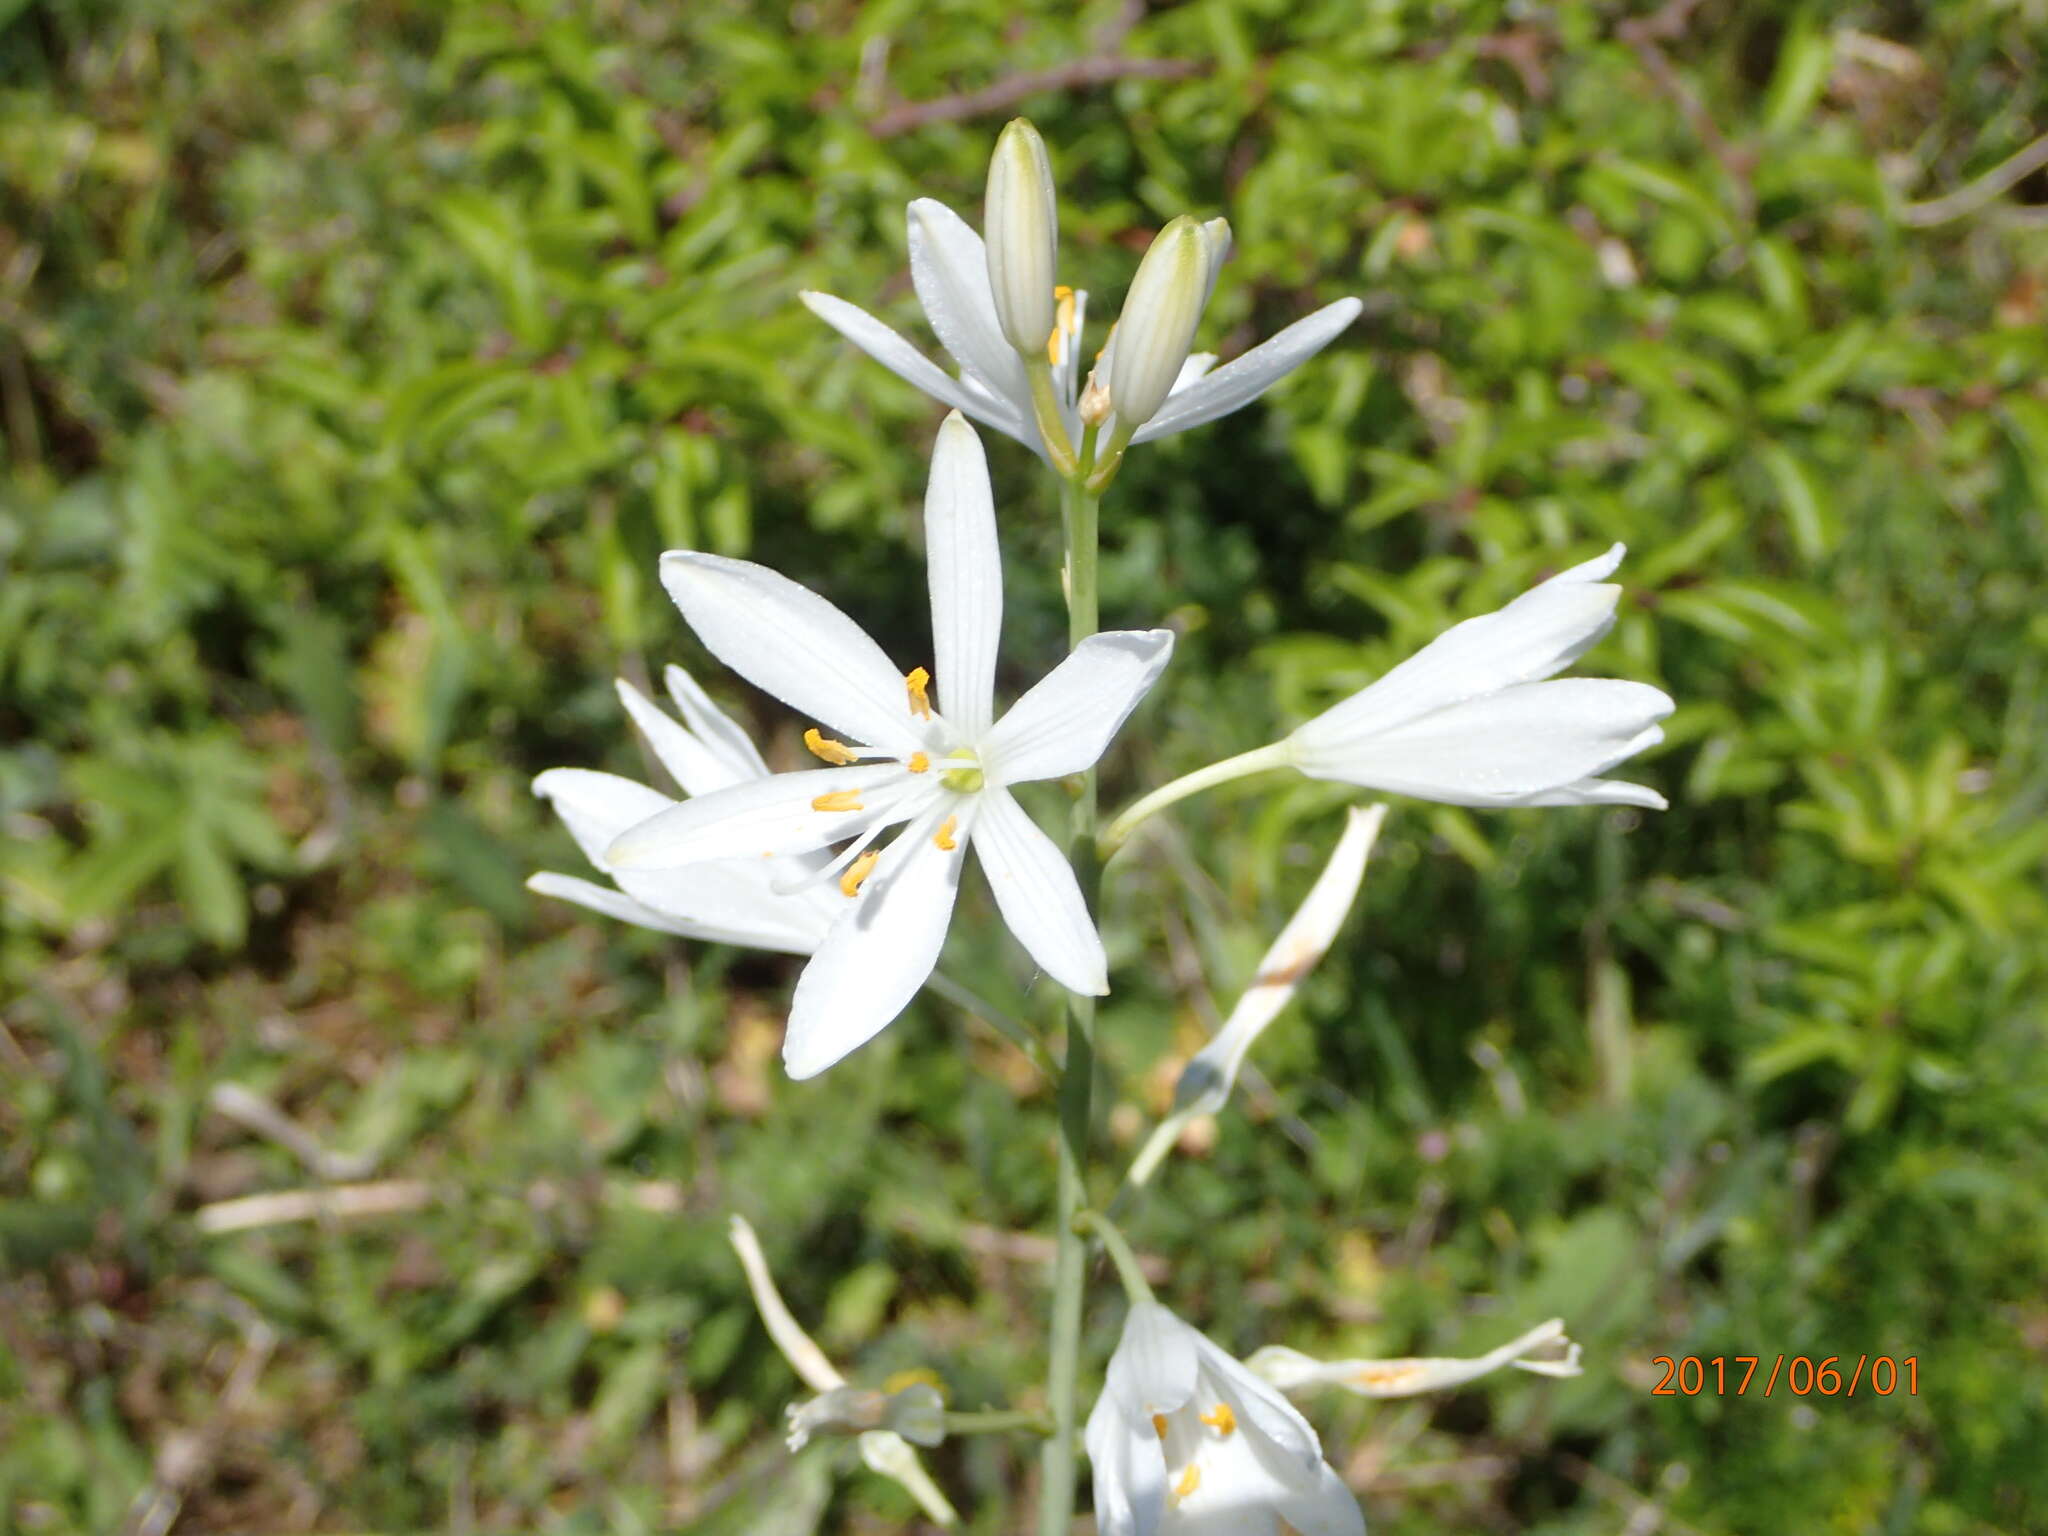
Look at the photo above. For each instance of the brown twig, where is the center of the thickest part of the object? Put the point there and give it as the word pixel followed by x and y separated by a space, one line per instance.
pixel 1644 35
pixel 1076 74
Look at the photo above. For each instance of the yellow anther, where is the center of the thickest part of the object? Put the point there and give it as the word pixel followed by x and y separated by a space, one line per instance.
pixel 1190 1480
pixel 1220 1419
pixel 838 800
pixel 918 762
pixel 838 753
pixel 856 872
pixel 920 701
pixel 943 838
pixel 1062 323
pixel 1159 1425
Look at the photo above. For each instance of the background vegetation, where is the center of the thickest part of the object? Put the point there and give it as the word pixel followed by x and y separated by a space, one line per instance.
pixel 358 358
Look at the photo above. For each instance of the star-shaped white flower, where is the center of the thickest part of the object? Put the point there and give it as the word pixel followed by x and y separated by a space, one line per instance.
pixel 949 267
pixel 946 773
pixel 736 901
pixel 1470 720
pixel 1185 1441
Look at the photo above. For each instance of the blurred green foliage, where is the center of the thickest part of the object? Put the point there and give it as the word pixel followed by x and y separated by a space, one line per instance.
pixel 357 360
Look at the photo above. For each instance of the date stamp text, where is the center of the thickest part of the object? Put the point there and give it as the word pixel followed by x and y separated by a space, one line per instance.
pixel 1799 1375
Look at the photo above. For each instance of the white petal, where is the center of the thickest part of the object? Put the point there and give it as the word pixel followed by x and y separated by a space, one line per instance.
pixel 964 569
pixel 1063 724
pixel 597 807
pixel 735 901
pixel 1038 895
pixel 1509 748
pixel 735 751
pixel 1127 1470
pixel 913 367
pixel 604 899
pixel 1155 1367
pixel 1605 791
pixel 728 912
pixel 1327 1509
pixel 949 269
pixel 1260 1410
pixel 1067 369
pixel 1242 380
pixel 878 954
pixel 1207 1080
pixel 1540 633
pixel 689 762
pixel 761 818
pixel 1196 367
pixel 788 641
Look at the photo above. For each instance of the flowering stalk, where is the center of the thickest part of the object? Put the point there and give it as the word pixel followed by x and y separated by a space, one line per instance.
pixel 1078 509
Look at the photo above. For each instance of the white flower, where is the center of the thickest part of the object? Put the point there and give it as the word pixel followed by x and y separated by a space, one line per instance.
pixel 736 901
pixel 1543 1350
pixel 1205 1083
pixel 1185 1440
pixel 952 271
pixel 946 774
pixel 1469 720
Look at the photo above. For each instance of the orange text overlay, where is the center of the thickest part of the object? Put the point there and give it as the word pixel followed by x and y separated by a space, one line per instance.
pixel 1798 1375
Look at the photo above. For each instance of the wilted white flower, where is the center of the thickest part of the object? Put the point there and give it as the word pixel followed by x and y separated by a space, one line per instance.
pixel 957 278
pixel 1205 1083
pixel 886 1451
pixel 1543 1350
pixel 736 901
pixel 1185 1439
pixel 1469 719
pixel 946 774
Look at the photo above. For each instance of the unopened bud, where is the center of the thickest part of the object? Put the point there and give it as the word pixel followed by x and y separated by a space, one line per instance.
pixel 1216 245
pixel 1021 226
pixel 1157 328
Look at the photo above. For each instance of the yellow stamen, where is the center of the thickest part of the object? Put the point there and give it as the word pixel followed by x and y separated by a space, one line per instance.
pixel 1190 1480
pixel 920 701
pixel 1064 321
pixel 837 753
pixel 1222 1420
pixel 943 838
pixel 838 800
pixel 1159 1425
pixel 918 762
pixel 856 872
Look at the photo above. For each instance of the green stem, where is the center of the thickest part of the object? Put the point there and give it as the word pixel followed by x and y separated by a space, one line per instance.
pixel 996 1421
pixel 1016 1031
pixel 1052 426
pixel 1273 755
pixel 1077 1078
pixel 1137 1289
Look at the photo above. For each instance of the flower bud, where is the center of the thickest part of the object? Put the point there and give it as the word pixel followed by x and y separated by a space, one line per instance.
pixel 1021 223
pixel 1216 242
pixel 1157 327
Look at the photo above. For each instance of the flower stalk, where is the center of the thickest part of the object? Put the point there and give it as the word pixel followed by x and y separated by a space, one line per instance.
pixel 1137 1289
pixel 1127 821
pixel 1079 518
